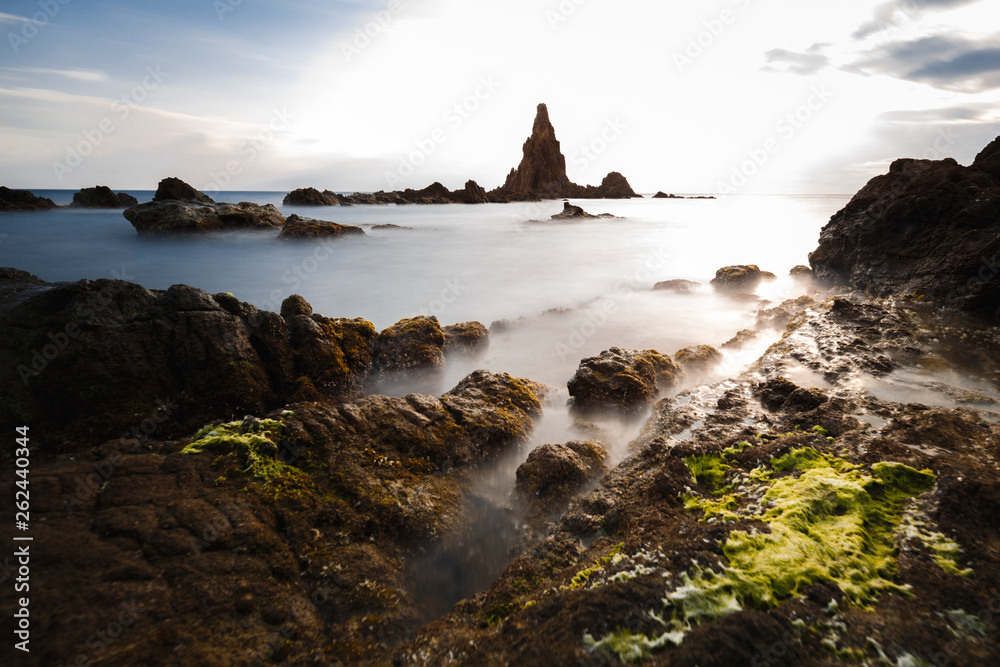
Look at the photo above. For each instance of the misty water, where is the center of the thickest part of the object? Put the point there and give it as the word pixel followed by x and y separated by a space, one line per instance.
pixel 569 289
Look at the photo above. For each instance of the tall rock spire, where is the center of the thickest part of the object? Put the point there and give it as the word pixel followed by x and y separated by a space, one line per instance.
pixel 542 171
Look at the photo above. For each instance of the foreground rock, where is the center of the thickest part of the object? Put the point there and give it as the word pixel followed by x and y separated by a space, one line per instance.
pixel 930 227
pixel 698 358
pixel 571 212
pixel 179 217
pixel 467 338
pixel 23 200
pixel 622 380
pixel 410 348
pixel 298 227
pixel 286 538
pixel 172 188
pixel 102 196
pixel 554 474
pixel 808 534
pixel 160 362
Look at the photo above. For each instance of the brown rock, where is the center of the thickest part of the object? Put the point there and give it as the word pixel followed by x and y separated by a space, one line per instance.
pixel 624 380
pixel 412 346
pixel 102 197
pixel 698 358
pixel 23 200
pixel 174 217
pixel 310 197
pixel 554 474
pixel 468 338
pixel 299 227
pixel 677 285
pixel 175 189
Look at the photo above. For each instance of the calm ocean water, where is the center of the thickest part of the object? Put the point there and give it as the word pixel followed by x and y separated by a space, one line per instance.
pixel 460 263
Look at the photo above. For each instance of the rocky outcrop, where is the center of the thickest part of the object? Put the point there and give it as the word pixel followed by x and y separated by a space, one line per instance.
pixel 472 193
pixel 102 196
pixel 310 197
pixel 175 189
pixel 411 347
pixel 23 200
pixel 663 195
pixel 160 362
pixel 261 540
pixel 176 217
pixel 801 272
pixel 930 227
pixel 622 380
pixel 698 358
pixel 299 227
pixel 542 171
pixel 467 338
pixel 554 474
pixel 571 212
pixel 740 277
pixel 683 554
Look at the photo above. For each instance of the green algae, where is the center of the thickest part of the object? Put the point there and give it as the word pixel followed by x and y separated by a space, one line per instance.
pixel 943 550
pixel 254 441
pixel 829 521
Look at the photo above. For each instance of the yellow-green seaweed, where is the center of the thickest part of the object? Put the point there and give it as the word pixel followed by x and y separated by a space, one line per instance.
pixel 253 440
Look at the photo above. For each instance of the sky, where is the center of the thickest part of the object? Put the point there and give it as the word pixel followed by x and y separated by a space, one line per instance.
pixel 725 96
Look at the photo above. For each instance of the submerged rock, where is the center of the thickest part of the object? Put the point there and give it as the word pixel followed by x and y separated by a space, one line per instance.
pixel 299 227
pixel 175 189
pixel 930 227
pixel 23 200
pixel 173 217
pixel 102 196
pixel 676 285
pixel 625 380
pixel 554 474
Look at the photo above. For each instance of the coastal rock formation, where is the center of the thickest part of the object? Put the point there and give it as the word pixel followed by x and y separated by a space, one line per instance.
pixel 663 195
pixel 740 277
pixel 623 380
pixel 299 227
pixel 160 361
pixel 738 535
pixel 698 358
pixel 303 523
pixel 554 474
pixel 467 338
pixel 571 212
pixel 412 346
pixel 172 188
pixel 930 227
pixel 676 285
pixel 173 217
pixel 310 197
pixel 801 272
pixel 472 193
pixel 541 173
pixel 23 200
pixel 102 196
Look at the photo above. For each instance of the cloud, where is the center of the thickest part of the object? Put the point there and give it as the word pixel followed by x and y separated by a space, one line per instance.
pixel 77 74
pixel 957 114
pixel 946 62
pixel 896 12
pixel 12 18
pixel 809 62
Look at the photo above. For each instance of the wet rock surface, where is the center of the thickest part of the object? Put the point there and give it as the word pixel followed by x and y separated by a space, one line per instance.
pixel 698 358
pixel 554 474
pixel 23 200
pixel 299 227
pixel 668 560
pixel 466 338
pixel 739 277
pixel 178 217
pixel 414 345
pixel 930 227
pixel 623 380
